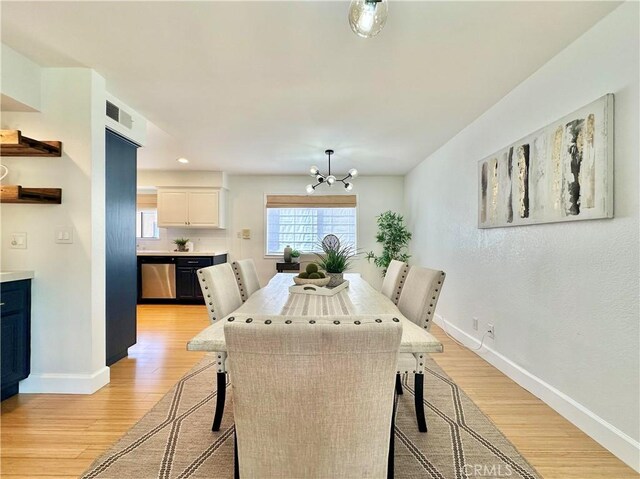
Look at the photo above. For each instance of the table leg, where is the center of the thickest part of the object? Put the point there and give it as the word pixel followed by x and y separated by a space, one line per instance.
pixel 222 390
pixel 419 395
pixel 398 384
pixel 236 466
pixel 390 465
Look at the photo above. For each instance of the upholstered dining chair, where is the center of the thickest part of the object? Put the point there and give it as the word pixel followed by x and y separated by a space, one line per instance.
pixel 247 277
pixel 417 303
pixel 298 412
pixel 222 297
pixel 394 280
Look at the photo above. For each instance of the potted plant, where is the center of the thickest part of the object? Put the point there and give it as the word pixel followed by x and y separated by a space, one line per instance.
pixel 295 256
pixel 181 243
pixel 335 260
pixel 394 237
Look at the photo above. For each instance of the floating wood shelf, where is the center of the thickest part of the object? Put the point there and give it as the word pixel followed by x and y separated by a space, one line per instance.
pixel 18 194
pixel 12 143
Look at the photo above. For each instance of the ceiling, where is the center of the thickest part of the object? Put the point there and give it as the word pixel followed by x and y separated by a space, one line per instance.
pixel 266 87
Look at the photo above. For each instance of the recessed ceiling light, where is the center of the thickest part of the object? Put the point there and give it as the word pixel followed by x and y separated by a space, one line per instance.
pixel 182 160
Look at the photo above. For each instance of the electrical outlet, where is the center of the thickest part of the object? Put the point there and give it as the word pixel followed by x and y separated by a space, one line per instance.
pixel 475 324
pixel 491 330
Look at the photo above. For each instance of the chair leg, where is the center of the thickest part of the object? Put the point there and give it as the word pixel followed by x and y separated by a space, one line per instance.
pixel 236 467
pixel 390 465
pixel 222 390
pixel 419 388
pixel 399 390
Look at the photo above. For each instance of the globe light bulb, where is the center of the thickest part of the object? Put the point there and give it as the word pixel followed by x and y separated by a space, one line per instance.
pixel 320 178
pixel 310 189
pixel 353 172
pixel 313 170
pixel 348 186
pixel 368 17
pixel 331 179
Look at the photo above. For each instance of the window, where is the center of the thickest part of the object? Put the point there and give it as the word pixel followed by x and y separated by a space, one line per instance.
pixel 147 224
pixel 147 215
pixel 302 221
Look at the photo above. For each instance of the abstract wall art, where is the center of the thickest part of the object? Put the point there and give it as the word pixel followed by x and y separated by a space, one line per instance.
pixel 562 172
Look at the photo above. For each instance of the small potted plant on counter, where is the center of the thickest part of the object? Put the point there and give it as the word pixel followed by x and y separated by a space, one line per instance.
pixel 335 260
pixel 181 243
pixel 295 256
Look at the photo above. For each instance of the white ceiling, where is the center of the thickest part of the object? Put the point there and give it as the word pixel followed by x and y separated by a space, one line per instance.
pixel 264 87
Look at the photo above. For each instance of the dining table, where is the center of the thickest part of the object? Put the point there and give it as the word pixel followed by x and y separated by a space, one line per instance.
pixel 358 299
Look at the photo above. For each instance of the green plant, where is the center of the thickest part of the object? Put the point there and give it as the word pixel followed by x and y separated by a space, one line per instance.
pixel 335 259
pixel 295 253
pixel 181 241
pixel 394 237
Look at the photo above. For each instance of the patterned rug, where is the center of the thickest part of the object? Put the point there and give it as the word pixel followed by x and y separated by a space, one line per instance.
pixel 174 439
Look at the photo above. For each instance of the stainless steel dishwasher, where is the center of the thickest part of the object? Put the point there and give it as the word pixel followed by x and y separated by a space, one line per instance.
pixel 158 278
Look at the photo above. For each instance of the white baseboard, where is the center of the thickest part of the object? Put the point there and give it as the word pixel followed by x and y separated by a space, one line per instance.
pixel 65 383
pixel 617 442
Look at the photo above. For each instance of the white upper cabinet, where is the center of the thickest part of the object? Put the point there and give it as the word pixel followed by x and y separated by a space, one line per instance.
pixel 191 207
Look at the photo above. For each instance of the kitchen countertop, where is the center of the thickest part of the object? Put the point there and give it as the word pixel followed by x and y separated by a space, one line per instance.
pixel 147 252
pixel 6 276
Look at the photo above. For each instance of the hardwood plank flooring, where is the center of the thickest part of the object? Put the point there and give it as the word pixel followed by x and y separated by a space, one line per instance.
pixel 58 436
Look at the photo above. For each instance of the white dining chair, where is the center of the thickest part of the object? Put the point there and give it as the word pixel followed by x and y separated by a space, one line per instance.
pixel 394 280
pixel 313 397
pixel 246 277
pixel 417 303
pixel 222 297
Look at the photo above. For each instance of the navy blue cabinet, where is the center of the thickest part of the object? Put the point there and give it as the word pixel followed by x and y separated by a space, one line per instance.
pixel 15 347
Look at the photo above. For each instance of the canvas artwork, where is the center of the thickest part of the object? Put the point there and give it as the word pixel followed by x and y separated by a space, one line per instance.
pixel 562 172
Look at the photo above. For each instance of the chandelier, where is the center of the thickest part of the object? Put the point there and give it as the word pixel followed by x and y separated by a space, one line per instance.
pixel 367 17
pixel 329 179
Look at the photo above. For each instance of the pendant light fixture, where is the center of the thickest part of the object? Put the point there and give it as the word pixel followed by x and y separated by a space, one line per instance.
pixel 368 17
pixel 329 179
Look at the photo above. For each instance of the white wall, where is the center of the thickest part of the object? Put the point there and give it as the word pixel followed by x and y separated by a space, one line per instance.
pixel 375 194
pixel 68 316
pixel 563 297
pixel 20 83
pixel 180 178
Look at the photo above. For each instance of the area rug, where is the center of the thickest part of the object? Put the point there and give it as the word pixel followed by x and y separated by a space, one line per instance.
pixel 174 439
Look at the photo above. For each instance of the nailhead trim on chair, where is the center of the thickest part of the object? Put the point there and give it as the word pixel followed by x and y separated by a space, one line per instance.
pixel 236 270
pixel 401 283
pixel 434 299
pixel 203 280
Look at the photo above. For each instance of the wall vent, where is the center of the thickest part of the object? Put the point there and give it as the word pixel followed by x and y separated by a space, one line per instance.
pixel 121 116
pixel 113 111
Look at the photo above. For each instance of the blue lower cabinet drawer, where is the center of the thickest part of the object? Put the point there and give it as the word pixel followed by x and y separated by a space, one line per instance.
pixel 194 262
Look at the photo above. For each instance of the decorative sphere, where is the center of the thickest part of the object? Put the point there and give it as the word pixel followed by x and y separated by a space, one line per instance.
pixel 312 268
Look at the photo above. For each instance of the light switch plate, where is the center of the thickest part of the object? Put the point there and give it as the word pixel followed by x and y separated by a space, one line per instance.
pixel 18 240
pixel 246 233
pixel 64 235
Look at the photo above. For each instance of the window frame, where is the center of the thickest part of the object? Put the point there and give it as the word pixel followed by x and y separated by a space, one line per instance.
pixel 265 220
pixel 147 238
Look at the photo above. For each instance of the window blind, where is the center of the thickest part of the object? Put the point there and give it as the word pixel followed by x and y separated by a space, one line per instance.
pixel 303 201
pixel 147 201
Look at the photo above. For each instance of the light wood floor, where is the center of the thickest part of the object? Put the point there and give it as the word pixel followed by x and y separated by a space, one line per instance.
pixel 45 435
